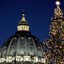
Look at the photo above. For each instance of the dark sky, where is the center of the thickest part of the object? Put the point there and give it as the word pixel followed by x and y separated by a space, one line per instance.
pixel 38 14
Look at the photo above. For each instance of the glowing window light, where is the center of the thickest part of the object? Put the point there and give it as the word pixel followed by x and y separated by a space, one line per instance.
pixel 35 59
pixel 2 60
pixel 18 58
pixel 21 59
pixel 43 60
pixel 23 27
pixel 9 59
pixel 27 58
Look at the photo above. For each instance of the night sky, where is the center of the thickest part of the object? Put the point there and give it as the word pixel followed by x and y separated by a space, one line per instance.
pixel 38 15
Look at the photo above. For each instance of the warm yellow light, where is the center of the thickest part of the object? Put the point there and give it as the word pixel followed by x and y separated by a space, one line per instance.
pixel 9 59
pixel 35 59
pixel 27 58
pixel 19 58
pixel 23 28
pixel 23 19
pixel 2 60
pixel 57 3
pixel 43 60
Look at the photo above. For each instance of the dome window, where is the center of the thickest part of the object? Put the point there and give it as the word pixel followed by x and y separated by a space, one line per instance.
pixel 27 58
pixel 43 60
pixel 19 58
pixel 2 60
pixel 9 59
pixel 35 59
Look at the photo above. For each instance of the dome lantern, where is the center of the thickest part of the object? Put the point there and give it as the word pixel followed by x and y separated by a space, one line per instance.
pixel 23 25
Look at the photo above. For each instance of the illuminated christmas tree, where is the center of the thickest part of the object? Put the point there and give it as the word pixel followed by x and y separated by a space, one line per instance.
pixel 54 47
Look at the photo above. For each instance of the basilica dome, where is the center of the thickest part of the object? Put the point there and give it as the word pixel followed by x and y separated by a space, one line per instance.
pixel 22 47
